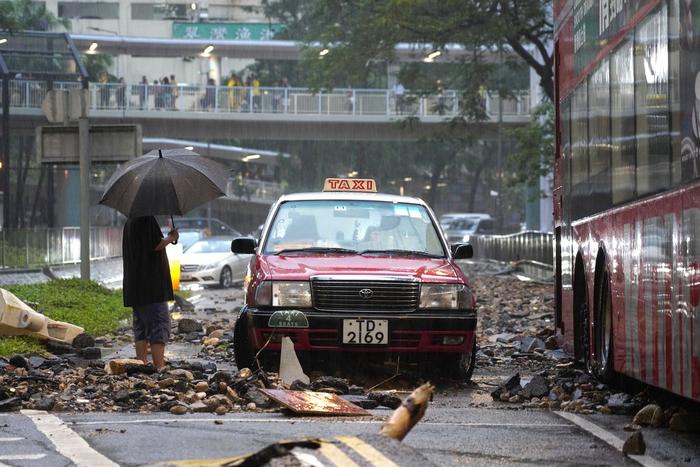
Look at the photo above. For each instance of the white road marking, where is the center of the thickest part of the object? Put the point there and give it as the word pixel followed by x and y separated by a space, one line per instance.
pixel 315 420
pixel 611 439
pixel 68 443
pixel 22 457
pixel 7 440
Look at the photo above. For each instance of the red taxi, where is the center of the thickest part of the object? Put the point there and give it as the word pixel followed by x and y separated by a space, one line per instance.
pixel 349 270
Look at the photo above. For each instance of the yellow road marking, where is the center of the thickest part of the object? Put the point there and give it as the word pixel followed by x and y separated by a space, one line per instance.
pixel 334 454
pixel 367 451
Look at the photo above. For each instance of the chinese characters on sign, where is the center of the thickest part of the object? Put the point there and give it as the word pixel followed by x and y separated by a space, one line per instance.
pixel 226 31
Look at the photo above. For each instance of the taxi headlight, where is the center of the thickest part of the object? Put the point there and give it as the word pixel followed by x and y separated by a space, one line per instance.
pixel 293 294
pixel 466 238
pixel 445 296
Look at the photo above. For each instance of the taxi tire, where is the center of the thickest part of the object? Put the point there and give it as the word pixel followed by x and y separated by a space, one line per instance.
pixel 461 366
pixel 242 352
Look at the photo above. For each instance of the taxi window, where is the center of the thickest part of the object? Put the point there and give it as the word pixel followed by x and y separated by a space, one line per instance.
pixel 356 225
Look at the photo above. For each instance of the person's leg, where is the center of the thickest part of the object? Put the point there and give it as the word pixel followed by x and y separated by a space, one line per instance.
pixel 140 333
pixel 159 333
pixel 158 352
pixel 142 351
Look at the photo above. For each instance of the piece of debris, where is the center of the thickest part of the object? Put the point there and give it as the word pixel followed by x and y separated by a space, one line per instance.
pixel 634 445
pixel 290 368
pixel 314 403
pixel 409 413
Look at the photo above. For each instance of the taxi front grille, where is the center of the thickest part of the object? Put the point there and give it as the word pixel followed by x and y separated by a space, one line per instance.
pixel 189 267
pixel 351 295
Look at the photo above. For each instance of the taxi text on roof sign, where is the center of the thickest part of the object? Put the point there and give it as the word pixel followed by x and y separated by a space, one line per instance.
pixel 350 184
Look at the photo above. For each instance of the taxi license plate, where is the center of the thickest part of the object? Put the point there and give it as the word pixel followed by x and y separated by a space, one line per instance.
pixel 365 331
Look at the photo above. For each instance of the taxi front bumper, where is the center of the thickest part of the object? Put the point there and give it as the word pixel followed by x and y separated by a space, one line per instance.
pixel 416 332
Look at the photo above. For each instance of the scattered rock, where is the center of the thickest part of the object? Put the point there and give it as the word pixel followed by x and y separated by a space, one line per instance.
pixel 685 422
pixel 201 386
pixel 632 427
pixel 386 399
pixel 18 361
pixel 645 416
pixel 90 353
pixel 187 325
pixel 361 401
pixel 83 341
pixel 178 409
pixel 634 445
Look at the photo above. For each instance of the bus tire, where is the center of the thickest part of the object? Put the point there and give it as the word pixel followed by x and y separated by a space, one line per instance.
pixel 604 331
pixel 241 344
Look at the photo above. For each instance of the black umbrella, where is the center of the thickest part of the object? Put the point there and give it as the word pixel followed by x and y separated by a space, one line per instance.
pixel 165 182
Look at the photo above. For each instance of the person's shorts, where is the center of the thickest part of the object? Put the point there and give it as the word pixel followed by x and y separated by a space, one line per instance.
pixel 152 323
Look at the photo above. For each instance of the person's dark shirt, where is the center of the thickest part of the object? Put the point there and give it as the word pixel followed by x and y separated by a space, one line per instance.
pixel 146 271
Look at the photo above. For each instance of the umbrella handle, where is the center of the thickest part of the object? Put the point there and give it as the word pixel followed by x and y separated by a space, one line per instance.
pixel 172 222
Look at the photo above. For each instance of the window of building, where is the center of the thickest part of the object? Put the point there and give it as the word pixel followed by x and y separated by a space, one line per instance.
pixel 651 92
pixel 85 10
pixel 622 124
pixel 599 136
pixel 159 11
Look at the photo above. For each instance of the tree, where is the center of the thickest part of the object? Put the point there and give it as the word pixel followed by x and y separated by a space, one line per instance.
pixel 361 32
pixel 28 15
pixel 531 157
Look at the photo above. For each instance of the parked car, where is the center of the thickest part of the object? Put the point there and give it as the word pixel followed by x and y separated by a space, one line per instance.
pixel 446 219
pixel 213 226
pixel 461 230
pixel 209 261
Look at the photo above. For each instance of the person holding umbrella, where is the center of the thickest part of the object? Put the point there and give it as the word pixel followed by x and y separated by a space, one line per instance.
pixel 162 182
pixel 147 285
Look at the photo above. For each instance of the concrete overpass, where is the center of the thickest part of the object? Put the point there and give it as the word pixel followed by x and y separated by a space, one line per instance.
pixel 217 112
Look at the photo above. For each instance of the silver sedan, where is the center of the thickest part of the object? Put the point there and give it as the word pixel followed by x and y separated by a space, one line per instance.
pixel 210 262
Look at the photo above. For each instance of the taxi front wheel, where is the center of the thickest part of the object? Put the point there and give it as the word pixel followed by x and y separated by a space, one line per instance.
pixel 241 344
pixel 460 366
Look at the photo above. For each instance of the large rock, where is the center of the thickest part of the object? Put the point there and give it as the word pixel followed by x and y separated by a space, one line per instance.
pixel 537 387
pixel 647 414
pixel 328 381
pixel 253 394
pixel 385 399
pixel 90 353
pixel 187 325
pixel 18 361
pixel 685 422
pixel 119 366
pixel 634 445
pixel 83 341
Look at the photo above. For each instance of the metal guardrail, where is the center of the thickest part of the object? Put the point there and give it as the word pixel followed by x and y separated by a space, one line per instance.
pixel 28 248
pixel 531 246
pixel 266 100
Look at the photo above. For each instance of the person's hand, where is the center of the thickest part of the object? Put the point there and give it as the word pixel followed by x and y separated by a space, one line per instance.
pixel 173 236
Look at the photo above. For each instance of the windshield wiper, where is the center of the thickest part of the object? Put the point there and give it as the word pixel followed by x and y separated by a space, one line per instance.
pixel 403 253
pixel 317 249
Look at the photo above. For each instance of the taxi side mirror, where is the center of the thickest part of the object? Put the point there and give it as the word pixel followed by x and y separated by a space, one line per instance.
pixel 462 251
pixel 244 245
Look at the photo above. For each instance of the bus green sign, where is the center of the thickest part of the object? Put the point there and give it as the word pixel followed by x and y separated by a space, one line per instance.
pixel 226 31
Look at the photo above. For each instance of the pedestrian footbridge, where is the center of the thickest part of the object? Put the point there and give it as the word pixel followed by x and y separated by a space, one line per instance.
pixel 278 113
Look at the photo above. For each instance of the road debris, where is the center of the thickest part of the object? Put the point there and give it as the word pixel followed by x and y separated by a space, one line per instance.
pixel 409 413
pixel 19 319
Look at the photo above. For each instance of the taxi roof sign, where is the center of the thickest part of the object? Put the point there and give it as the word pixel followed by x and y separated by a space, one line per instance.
pixel 367 185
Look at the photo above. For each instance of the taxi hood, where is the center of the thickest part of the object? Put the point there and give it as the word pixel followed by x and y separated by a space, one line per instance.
pixel 302 267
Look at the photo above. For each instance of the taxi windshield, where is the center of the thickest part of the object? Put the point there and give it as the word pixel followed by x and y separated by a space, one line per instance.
pixel 354 226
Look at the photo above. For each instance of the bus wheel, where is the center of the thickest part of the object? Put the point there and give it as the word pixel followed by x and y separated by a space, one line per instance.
pixel 241 344
pixel 604 331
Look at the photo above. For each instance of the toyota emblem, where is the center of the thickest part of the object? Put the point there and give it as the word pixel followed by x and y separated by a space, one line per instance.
pixel 366 293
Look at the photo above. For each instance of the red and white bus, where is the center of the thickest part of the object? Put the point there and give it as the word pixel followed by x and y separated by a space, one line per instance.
pixel 627 187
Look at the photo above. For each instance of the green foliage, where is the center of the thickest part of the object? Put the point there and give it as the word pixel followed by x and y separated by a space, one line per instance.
pixel 361 33
pixel 96 64
pixel 20 345
pixel 83 303
pixel 533 151
pixel 28 15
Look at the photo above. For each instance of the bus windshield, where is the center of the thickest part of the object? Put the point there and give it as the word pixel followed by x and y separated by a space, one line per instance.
pixel 357 226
